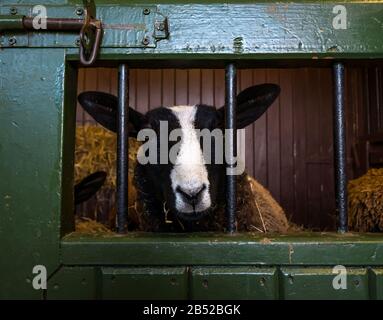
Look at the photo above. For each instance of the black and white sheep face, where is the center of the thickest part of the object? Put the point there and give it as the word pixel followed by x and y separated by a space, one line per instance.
pixel 189 182
pixel 188 176
pixel 188 185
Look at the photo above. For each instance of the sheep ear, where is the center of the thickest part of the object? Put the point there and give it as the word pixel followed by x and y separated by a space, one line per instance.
pixel 88 186
pixel 103 108
pixel 253 102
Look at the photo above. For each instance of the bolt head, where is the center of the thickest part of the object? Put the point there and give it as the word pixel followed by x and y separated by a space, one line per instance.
pixel 79 11
pixel 13 10
pixel 145 41
pixel 12 41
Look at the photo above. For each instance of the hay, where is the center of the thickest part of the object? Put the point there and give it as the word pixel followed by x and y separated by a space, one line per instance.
pixel 89 226
pixel 366 202
pixel 96 150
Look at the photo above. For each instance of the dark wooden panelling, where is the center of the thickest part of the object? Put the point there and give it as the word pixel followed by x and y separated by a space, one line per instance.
pixel 289 149
pixel 286 141
pixel 260 138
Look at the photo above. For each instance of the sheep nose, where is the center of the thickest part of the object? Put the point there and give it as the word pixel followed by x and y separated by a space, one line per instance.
pixel 192 194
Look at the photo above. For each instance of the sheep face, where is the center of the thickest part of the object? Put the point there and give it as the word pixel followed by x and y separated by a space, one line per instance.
pixel 185 176
pixel 184 172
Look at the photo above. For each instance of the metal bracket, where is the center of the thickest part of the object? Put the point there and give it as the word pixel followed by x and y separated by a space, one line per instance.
pixel 161 27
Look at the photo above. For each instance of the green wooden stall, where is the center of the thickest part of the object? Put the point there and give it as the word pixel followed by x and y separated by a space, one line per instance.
pixel 38 71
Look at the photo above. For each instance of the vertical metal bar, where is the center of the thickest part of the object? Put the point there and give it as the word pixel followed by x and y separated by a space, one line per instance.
pixel 122 148
pixel 230 120
pixel 340 147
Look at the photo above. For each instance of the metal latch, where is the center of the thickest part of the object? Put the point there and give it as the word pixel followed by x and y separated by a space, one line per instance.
pixel 89 28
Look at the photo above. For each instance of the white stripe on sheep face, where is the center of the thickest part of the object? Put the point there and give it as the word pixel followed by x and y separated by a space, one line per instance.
pixel 189 176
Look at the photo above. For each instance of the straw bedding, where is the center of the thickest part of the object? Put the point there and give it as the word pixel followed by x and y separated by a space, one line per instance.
pixel 366 202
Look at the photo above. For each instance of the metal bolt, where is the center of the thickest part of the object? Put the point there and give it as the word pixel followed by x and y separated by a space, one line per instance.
pixel 12 41
pixel 145 41
pixel 13 10
pixel 77 41
pixel 146 11
pixel 160 26
pixel 79 11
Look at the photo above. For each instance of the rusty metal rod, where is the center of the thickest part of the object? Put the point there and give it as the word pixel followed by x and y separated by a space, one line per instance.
pixel 55 24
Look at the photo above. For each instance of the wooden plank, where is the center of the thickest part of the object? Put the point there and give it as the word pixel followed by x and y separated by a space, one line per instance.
pixel 207 86
pixel 286 142
pixel 103 79
pixel 273 141
pixel 260 137
pixel 194 87
pixel 245 78
pixel 168 87
pixel 155 88
pixel 132 87
pixel 219 87
pixel 327 220
pixel 300 80
pixel 80 88
pixel 144 283
pixel 317 283
pixel 142 90
pixel 226 283
pixel 90 84
pixel 181 87
pixel 313 147
pixel 304 248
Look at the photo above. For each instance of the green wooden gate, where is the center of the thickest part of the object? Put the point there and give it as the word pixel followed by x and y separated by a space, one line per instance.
pixel 37 126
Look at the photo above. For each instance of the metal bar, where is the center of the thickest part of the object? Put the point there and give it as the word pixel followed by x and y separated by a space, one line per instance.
pixel 55 24
pixel 231 144
pixel 122 148
pixel 340 147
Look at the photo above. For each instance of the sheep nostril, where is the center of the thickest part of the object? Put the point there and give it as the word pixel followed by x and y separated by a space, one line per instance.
pixel 191 194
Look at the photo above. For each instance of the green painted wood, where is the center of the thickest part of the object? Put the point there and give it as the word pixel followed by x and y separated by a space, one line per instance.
pixel 317 283
pixel 376 283
pixel 144 283
pixel 236 30
pixel 74 283
pixel 32 105
pixel 230 283
pixel 213 249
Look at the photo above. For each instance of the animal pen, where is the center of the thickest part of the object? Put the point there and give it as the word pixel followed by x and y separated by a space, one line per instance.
pixel 325 56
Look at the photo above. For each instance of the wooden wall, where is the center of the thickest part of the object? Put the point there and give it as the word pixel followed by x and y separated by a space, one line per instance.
pixel 289 149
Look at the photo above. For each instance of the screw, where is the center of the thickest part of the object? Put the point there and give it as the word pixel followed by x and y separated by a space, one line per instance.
pixel 79 11
pixel 145 41
pixel 12 41
pixel 13 10
pixel 77 41
pixel 146 11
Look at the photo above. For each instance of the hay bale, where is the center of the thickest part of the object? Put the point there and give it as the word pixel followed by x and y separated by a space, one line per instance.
pixel 96 150
pixel 365 197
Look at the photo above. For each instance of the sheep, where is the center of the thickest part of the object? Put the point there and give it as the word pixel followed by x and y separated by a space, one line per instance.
pixel 185 196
